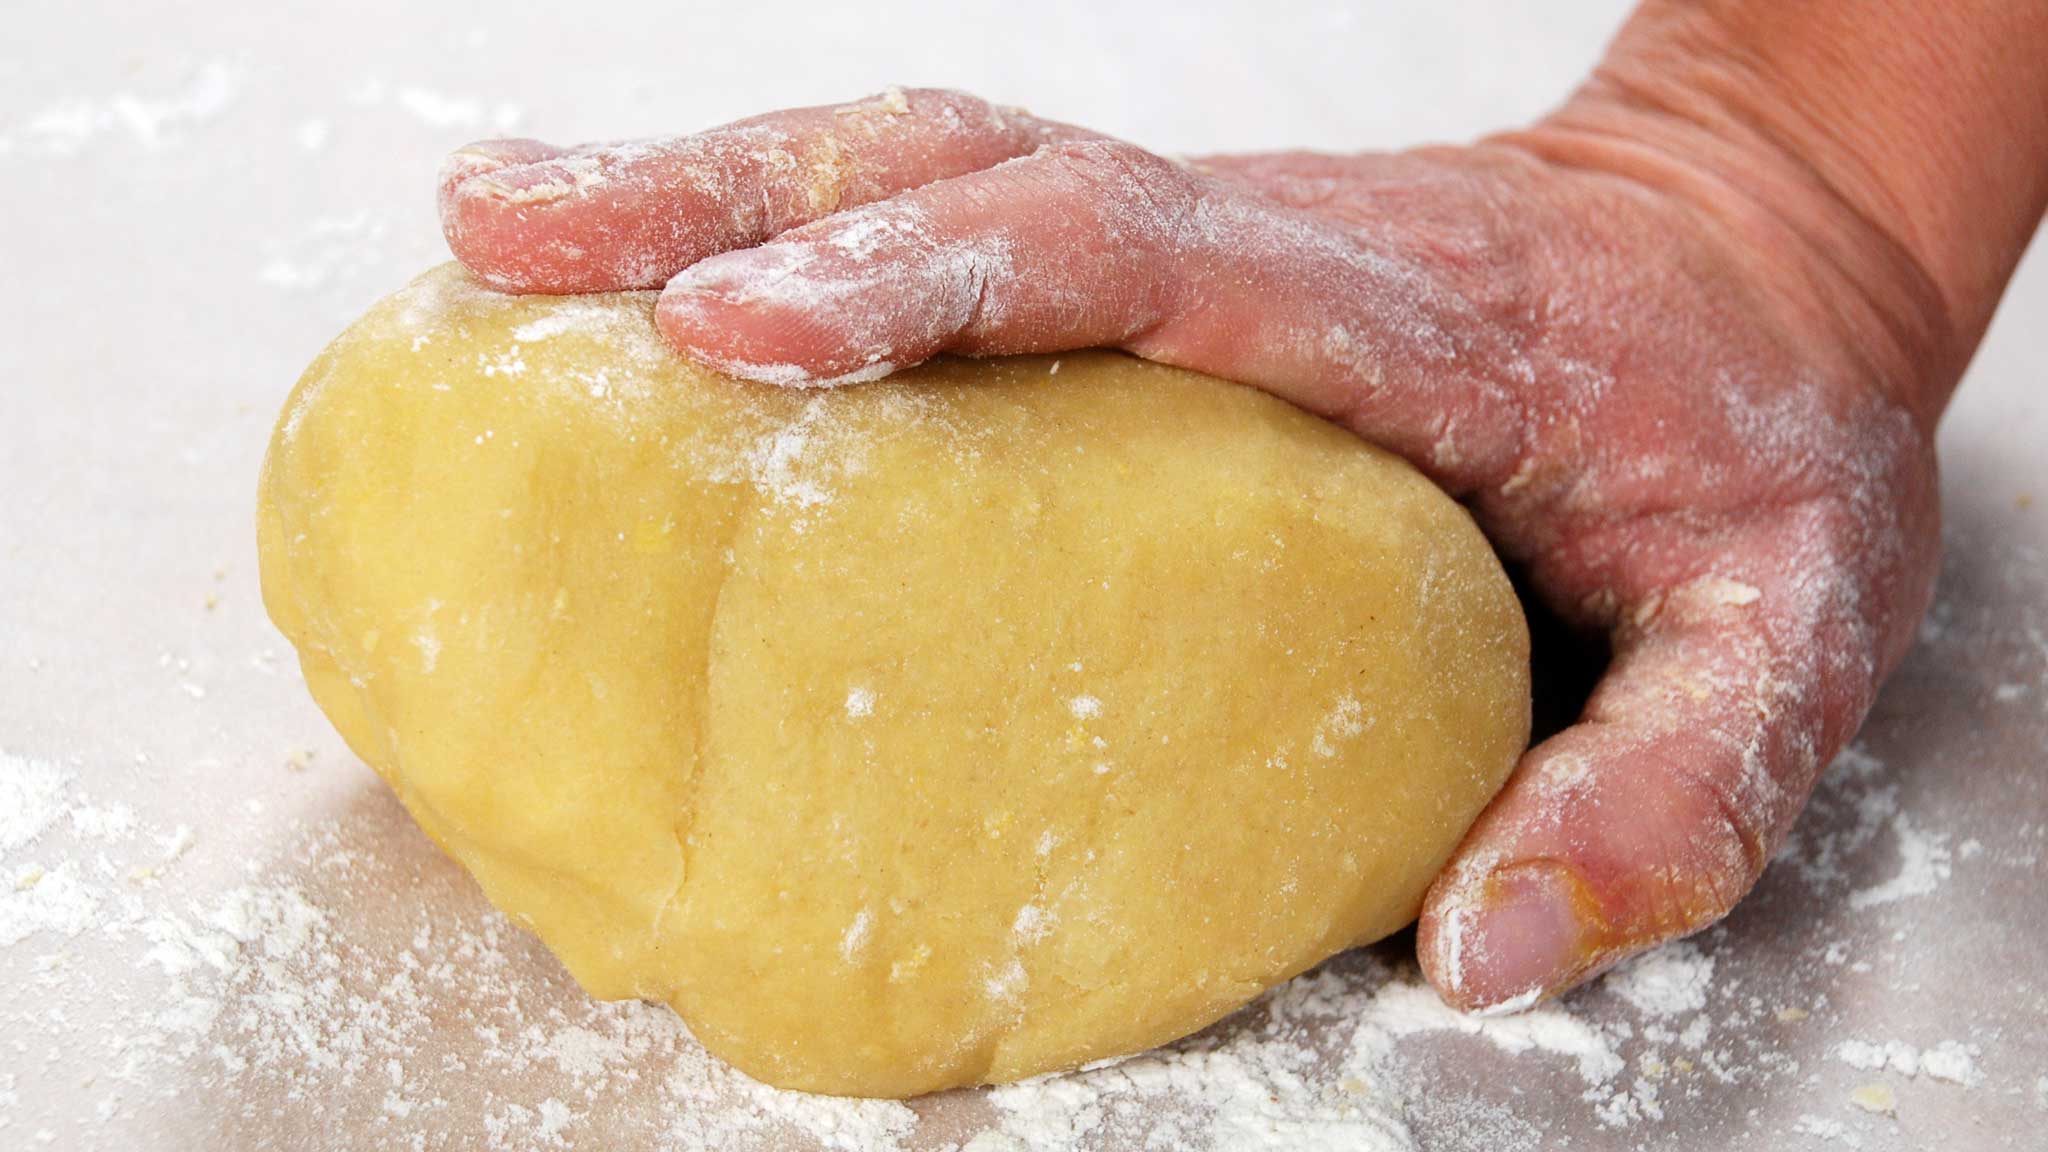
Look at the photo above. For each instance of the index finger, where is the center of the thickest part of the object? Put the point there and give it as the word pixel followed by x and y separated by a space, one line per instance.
pixel 527 217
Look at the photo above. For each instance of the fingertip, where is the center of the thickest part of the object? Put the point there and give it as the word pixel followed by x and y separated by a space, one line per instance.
pixel 1506 939
pixel 498 246
pixel 703 325
pixel 753 315
pixel 721 308
pixel 1645 823
pixel 486 156
pixel 552 225
pixel 818 310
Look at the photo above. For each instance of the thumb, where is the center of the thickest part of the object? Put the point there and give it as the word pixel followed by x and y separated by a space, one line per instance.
pixel 1654 814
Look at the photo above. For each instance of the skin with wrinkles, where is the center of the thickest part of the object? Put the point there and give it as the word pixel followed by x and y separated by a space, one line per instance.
pixel 1681 346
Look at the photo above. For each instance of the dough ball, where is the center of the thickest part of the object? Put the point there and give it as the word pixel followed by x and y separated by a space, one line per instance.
pixel 985 721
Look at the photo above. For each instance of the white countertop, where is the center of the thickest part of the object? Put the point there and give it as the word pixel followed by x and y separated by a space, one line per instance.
pixel 218 930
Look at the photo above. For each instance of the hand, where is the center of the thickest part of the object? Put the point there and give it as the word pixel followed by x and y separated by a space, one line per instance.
pixel 1700 417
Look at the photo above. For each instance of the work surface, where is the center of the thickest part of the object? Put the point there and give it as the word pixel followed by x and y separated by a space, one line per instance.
pixel 217 930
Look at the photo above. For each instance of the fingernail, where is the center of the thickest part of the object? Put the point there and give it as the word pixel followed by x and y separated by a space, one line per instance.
pixel 539 183
pixel 1528 935
pixel 464 163
pixel 741 275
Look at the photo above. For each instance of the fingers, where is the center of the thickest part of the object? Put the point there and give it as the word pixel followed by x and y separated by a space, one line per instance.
pixel 1064 249
pixel 527 217
pixel 1100 243
pixel 1650 818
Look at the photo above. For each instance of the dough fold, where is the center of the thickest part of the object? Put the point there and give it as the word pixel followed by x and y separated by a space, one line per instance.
pixel 984 721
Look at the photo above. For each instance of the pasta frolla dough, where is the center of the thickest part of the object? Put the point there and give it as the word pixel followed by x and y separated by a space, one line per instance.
pixel 984 721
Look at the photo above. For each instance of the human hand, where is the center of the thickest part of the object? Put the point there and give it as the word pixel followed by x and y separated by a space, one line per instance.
pixel 1698 412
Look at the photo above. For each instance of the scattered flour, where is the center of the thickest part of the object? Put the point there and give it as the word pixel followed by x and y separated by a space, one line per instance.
pixel 294 987
pixel 32 797
pixel 440 110
pixel 1346 721
pixel 151 123
pixel 1409 1008
pixel 1877 1097
pixel 1950 1061
pixel 286 988
pixel 855 939
pixel 437 109
pixel 859 702
pixel 574 316
pixel 797 465
pixel 35 900
pixel 1924 862
pixel 1031 925
pixel 1671 981
pixel 332 249
pixel 312 134
pixel 1823 1128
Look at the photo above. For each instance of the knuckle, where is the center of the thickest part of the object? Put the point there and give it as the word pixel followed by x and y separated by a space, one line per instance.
pixel 1729 807
pixel 940 102
pixel 1164 195
pixel 1711 859
pixel 959 113
pixel 1115 158
pixel 1684 821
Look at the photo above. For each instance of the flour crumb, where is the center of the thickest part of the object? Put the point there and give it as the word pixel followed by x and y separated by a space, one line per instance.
pixel 1823 1128
pixel 442 110
pixel 1721 590
pixel 1670 981
pixel 151 123
pixel 1950 1061
pixel 1924 863
pixel 329 251
pixel 31 800
pixel 854 940
pixel 1345 721
pixel 1876 1097
pixel 1007 984
pixel 1031 925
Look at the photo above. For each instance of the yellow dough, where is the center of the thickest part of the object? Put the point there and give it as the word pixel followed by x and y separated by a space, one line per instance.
pixel 984 721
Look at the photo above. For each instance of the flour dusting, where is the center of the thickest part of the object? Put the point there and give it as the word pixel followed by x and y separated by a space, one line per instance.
pixel 151 122
pixel 292 985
